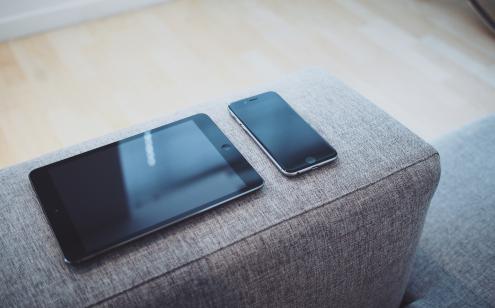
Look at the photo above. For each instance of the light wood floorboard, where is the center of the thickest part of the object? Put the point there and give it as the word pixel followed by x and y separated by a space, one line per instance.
pixel 430 64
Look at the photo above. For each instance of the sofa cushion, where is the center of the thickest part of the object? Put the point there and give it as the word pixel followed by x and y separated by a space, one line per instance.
pixel 344 234
pixel 455 263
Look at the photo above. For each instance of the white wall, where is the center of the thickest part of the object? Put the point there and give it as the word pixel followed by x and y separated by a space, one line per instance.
pixel 23 17
pixel 15 7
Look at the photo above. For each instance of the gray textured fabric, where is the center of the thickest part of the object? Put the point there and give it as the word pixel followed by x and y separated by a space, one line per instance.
pixel 342 235
pixel 455 263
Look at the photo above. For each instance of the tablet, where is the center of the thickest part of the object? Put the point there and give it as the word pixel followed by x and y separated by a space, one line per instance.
pixel 111 195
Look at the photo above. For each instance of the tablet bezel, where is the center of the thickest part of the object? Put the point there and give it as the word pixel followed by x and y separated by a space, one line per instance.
pixel 65 232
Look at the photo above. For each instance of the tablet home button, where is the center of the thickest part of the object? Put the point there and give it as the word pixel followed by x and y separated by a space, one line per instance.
pixel 226 147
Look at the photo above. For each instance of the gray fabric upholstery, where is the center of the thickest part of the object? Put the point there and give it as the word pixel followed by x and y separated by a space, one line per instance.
pixel 342 235
pixel 455 263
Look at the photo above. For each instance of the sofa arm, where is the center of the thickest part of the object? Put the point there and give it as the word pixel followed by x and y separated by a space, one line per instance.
pixel 343 235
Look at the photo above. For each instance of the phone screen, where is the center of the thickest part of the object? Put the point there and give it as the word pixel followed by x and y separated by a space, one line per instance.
pixel 290 141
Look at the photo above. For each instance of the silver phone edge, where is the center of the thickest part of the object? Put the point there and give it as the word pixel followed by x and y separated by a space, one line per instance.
pixel 290 174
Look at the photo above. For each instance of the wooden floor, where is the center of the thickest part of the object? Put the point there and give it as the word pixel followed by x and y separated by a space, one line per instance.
pixel 431 64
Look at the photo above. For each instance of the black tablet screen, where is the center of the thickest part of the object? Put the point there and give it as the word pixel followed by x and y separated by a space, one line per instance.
pixel 118 191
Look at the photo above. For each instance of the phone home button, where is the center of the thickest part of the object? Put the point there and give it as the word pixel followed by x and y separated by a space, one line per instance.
pixel 310 160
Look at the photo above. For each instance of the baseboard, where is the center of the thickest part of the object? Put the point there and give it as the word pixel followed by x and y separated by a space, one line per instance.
pixel 62 14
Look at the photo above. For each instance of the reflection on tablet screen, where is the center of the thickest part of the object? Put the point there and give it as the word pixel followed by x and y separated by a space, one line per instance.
pixel 143 181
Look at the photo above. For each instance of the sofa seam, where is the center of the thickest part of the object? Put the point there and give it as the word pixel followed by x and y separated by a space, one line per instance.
pixel 323 204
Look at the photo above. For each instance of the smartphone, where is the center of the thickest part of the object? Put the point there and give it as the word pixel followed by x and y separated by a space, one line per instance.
pixel 289 141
